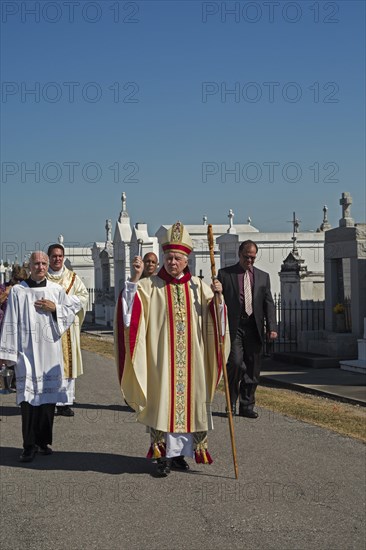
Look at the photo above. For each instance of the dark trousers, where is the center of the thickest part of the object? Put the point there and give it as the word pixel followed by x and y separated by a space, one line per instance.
pixel 244 365
pixel 37 424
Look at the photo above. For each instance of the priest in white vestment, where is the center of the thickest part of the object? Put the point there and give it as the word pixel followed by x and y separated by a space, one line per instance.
pixel 38 313
pixel 167 352
pixel 71 347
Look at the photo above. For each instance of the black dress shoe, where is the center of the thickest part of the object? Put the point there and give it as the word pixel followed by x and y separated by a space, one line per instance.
pixel 248 413
pixel 178 463
pixel 162 467
pixel 28 454
pixel 45 450
pixel 64 410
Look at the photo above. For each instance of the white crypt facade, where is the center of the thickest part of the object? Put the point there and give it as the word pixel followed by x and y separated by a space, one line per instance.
pixel 319 268
pixel 112 258
pixel 105 266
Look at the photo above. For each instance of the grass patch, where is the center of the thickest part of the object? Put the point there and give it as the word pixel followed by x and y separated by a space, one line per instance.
pixel 97 344
pixel 349 420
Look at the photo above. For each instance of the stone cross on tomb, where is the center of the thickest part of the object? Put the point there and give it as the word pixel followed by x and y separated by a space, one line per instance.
pixel 345 202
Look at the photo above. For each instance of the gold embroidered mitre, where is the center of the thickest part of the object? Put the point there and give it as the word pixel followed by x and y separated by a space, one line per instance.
pixel 177 239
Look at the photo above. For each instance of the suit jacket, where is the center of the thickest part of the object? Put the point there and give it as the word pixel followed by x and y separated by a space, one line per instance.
pixel 263 305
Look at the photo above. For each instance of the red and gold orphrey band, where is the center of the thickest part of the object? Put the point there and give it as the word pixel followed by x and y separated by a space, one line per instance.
pixel 66 340
pixel 180 336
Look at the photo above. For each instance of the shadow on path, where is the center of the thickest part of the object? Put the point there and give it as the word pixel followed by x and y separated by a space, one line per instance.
pixel 105 463
pixel 112 407
pixel 9 411
pixel 15 410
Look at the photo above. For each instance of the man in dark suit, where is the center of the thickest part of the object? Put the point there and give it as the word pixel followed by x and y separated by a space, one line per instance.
pixel 248 297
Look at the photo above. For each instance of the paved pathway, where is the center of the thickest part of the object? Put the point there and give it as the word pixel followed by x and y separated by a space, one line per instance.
pixel 300 486
pixel 336 383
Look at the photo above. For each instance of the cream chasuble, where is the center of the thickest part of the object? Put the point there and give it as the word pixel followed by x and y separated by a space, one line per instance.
pixel 168 359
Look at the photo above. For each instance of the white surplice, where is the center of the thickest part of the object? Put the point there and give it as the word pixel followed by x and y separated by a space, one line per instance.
pixel 31 340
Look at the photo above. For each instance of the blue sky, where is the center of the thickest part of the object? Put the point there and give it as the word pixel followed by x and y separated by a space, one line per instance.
pixel 187 108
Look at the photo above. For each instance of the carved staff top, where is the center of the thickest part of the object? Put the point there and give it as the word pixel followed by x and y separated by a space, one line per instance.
pixel 210 239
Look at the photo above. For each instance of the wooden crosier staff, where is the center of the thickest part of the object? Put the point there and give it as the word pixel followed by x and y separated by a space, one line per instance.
pixel 221 346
